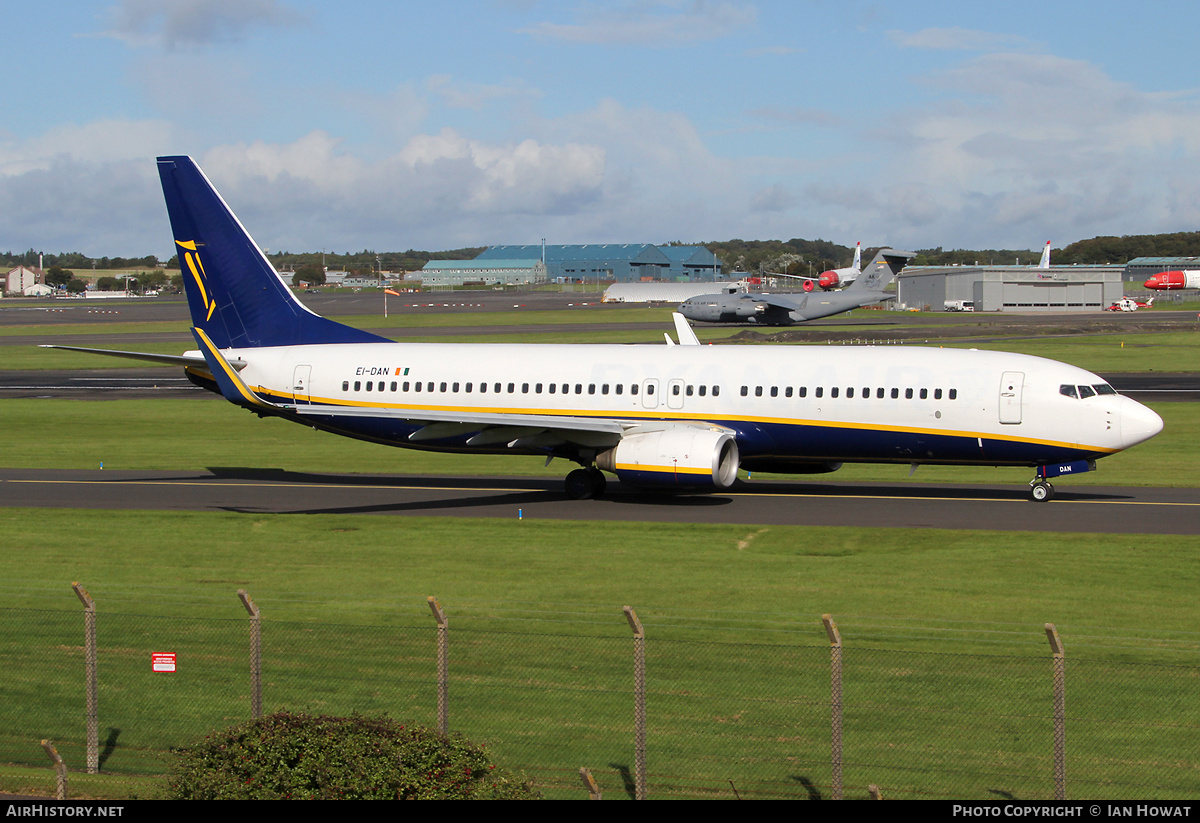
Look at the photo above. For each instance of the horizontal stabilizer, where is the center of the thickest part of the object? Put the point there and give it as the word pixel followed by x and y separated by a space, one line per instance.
pixel 185 360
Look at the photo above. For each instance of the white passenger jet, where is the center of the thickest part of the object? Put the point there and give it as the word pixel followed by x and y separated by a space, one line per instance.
pixel 678 417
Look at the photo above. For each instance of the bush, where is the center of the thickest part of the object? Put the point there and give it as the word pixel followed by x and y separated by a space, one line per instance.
pixel 303 757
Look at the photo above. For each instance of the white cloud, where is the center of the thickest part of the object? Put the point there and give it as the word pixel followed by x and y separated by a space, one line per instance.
pixel 958 39
pixel 663 23
pixel 98 143
pixel 475 95
pixel 172 23
pixel 1034 146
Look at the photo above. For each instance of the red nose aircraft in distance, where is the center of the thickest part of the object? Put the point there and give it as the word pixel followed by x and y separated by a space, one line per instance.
pixel 834 278
pixel 1174 280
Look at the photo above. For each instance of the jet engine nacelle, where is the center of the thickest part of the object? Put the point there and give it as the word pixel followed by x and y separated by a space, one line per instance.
pixel 676 458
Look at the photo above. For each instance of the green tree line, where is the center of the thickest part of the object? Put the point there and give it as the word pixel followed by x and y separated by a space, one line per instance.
pixel 795 256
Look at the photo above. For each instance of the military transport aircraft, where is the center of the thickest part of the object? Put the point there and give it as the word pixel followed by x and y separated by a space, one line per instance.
pixel 786 309
pixel 681 417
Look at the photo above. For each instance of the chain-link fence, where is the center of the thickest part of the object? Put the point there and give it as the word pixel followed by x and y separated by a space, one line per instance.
pixel 744 717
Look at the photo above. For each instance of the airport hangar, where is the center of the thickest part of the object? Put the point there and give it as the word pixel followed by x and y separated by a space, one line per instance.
pixel 498 272
pixel 1011 288
pixel 616 262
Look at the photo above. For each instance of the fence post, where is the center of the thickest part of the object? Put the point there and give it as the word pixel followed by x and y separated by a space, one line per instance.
pixel 590 784
pixel 255 654
pixel 835 703
pixel 60 770
pixel 93 689
pixel 443 666
pixel 639 703
pixel 1060 712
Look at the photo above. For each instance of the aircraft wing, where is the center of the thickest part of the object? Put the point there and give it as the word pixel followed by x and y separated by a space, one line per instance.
pixel 777 300
pixel 437 424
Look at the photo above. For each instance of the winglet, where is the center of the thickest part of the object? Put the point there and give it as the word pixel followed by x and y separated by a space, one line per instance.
pixel 228 380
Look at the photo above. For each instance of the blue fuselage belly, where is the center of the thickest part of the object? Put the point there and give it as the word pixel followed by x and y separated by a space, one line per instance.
pixel 788 441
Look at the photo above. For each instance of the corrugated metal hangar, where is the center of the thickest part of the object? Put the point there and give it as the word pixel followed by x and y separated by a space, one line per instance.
pixel 620 262
pixel 664 292
pixel 1010 288
pixel 487 272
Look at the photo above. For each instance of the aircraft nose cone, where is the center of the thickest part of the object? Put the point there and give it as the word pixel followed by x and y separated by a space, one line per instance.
pixel 1138 423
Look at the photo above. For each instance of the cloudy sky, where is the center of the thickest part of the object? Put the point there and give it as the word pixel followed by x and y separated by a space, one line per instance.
pixel 392 125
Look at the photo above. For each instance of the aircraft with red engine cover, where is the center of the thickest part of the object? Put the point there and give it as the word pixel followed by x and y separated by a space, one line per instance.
pixel 1174 280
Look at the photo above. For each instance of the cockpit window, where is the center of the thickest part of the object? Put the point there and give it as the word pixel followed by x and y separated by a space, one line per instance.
pixel 1067 390
pixel 1086 391
pixel 1104 388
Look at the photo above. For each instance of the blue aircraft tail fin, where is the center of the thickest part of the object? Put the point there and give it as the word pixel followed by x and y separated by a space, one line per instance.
pixel 233 291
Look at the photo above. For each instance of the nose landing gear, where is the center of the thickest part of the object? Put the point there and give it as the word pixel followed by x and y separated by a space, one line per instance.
pixel 1041 489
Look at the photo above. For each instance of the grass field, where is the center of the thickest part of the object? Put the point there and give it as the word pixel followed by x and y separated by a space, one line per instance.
pixel 944 624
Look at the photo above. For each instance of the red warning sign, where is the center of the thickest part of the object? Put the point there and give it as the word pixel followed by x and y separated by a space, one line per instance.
pixel 162 661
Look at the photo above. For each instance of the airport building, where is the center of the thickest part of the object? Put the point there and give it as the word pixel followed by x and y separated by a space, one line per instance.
pixel 619 262
pixel 1010 288
pixel 498 272
pixel 665 292
pixel 18 280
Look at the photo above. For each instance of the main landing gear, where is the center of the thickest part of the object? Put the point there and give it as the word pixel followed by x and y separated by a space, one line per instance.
pixel 585 484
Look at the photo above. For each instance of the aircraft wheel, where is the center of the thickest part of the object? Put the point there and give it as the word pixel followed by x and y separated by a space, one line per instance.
pixel 1041 492
pixel 599 482
pixel 580 485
